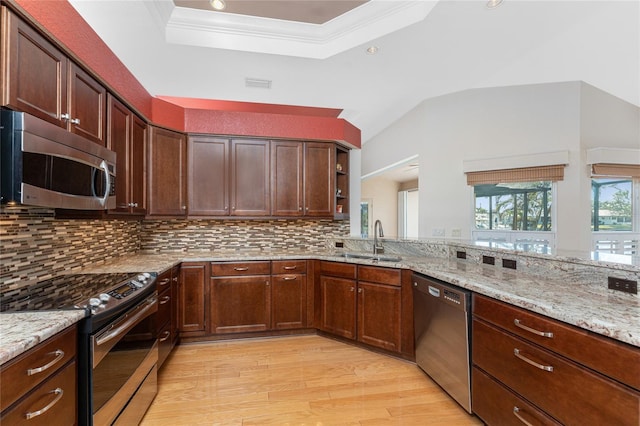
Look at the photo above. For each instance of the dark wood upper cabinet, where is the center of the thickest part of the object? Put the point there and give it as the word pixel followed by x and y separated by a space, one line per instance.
pixel 287 173
pixel 167 173
pixel 127 137
pixel 86 105
pixel 208 176
pixel 36 71
pixel 41 80
pixel 250 177
pixel 319 187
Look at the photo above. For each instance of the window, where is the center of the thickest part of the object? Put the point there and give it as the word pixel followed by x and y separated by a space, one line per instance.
pixel 611 205
pixel 518 206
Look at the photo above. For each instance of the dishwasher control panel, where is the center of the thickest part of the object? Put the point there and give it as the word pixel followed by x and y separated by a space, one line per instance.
pixel 452 296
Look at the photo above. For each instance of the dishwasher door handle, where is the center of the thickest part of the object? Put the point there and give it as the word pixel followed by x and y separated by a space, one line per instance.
pixel 435 292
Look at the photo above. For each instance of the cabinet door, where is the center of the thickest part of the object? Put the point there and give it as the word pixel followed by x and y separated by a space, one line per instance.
pixel 287 178
pixel 250 178
pixel 288 301
pixel 319 179
pixel 167 183
pixel 118 141
pixel 338 305
pixel 86 108
pixel 240 304
pixel 379 315
pixel 191 315
pixel 138 165
pixel 36 72
pixel 208 176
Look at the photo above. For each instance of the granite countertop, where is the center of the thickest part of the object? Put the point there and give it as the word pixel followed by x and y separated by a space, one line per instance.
pixel 594 308
pixel 21 331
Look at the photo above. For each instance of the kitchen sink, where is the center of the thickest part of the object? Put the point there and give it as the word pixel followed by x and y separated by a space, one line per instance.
pixel 375 257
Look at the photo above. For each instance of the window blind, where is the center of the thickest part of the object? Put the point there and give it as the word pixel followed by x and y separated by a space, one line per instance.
pixel 615 170
pixel 526 174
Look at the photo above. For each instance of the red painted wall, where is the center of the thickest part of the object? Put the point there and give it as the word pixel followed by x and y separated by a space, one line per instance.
pixel 64 23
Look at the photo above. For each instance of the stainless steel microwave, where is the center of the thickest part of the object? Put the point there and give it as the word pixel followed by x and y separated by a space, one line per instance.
pixel 44 165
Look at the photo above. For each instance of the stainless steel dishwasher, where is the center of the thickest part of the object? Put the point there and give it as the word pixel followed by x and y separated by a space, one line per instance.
pixel 442 324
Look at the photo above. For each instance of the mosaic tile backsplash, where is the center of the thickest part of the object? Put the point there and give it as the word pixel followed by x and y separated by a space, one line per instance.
pixel 35 246
pixel 231 235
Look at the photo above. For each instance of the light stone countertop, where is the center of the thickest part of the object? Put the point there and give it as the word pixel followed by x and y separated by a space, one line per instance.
pixel 590 307
pixel 594 308
pixel 21 331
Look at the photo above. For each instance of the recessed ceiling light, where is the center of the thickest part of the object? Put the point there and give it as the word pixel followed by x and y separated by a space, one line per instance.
pixel 372 50
pixel 257 83
pixel 492 4
pixel 218 4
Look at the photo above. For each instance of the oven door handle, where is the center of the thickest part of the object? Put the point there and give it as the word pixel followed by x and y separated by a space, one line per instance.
pixel 131 320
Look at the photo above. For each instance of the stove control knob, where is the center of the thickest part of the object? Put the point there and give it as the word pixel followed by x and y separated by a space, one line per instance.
pixel 95 302
pixel 104 297
pixel 147 275
pixel 136 283
pixel 141 278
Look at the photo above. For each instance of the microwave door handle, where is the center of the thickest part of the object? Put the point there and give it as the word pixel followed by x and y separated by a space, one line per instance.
pixel 107 190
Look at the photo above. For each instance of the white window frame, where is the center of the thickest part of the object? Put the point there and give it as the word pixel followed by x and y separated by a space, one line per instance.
pixel 621 242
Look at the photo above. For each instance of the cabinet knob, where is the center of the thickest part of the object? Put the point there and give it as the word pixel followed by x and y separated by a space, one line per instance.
pixel 65 116
pixel 307 208
pixel 75 121
pixel 359 290
pixel 184 207
pixel 351 289
pixel 300 208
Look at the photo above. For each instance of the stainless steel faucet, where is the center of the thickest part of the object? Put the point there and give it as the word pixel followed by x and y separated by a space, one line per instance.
pixel 377 246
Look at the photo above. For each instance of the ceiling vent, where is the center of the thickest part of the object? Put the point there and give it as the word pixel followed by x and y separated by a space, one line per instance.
pixel 257 83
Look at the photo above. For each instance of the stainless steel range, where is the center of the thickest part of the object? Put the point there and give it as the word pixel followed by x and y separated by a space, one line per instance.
pixel 117 343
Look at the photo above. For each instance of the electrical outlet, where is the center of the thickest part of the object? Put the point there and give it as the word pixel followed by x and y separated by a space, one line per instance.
pixel 489 260
pixel 461 254
pixel 509 263
pixel 628 286
pixel 339 244
pixel 438 232
pixel 456 232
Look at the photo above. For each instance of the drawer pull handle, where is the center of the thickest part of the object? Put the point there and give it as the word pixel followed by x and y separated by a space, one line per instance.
pixel 292 278
pixel 237 268
pixel 164 281
pixel 517 353
pixel 59 392
pixel 532 330
pixel 516 412
pixel 164 300
pixel 165 335
pixel 289 268
pixel 59 353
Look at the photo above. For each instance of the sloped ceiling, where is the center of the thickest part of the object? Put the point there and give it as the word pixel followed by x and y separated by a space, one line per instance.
pixel 437 48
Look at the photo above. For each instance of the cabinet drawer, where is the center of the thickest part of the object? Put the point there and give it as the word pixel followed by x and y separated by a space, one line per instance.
pixel 164 308
pixel 567 391
pixel 375 274
pixel 497 406
pixel 337 269
pixel 288 267
pixel 59 393
pixel 241 268
pixel 163 282
pixel 35 365
pixel 579 345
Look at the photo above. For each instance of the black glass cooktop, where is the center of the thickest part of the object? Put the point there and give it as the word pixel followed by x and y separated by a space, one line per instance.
pixel 61 292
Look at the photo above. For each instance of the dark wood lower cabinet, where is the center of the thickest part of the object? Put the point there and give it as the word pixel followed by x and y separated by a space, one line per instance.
pixel 193 291
pixel 338 305
pixel 240 304
pixel 531 369
pixel 379 308
pixel 288 301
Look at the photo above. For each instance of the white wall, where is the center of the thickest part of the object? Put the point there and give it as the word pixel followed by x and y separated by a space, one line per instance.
pixel 384 195
pixel 499 122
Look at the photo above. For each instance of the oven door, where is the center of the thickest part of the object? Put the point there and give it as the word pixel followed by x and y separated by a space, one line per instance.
pixel 124 353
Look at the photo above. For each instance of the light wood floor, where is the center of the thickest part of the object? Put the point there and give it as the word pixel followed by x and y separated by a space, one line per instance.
pixel 300 380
